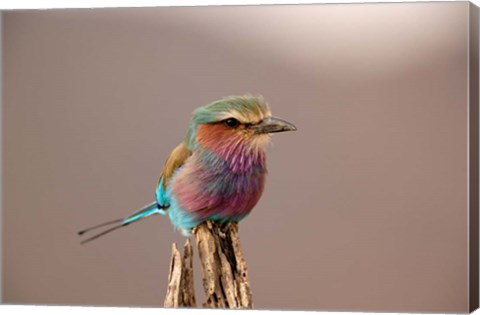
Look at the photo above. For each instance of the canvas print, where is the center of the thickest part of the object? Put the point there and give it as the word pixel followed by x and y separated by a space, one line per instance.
pixel 283 157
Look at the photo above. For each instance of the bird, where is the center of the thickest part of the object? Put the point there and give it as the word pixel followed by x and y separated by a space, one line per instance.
pixel 217 172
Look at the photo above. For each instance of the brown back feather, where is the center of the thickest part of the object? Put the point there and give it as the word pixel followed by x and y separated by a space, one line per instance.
pixel 174 161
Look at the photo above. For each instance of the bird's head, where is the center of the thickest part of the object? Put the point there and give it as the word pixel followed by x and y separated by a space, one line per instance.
pixel 235 123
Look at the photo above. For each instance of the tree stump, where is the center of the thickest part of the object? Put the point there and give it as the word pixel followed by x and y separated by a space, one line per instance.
pixel 223 267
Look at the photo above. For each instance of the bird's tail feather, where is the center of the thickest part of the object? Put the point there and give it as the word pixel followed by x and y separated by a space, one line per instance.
pixel 144 212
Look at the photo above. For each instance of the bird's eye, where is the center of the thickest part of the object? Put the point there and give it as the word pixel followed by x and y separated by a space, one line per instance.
pixel 231 122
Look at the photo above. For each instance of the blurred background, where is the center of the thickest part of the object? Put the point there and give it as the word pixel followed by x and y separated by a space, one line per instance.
pixel 365 207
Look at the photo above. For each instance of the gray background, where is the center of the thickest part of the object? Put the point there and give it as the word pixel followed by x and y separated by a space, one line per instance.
pixel 365 206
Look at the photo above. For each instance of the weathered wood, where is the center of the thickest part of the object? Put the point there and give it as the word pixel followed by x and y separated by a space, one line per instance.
pixel 188 289
pixel 224 270
pixel 180 291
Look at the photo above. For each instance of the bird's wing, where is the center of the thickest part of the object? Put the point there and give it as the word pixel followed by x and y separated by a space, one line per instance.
pixel 176 159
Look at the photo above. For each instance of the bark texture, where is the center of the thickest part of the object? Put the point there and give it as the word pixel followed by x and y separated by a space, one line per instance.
pixel 223 266
pixel 180 291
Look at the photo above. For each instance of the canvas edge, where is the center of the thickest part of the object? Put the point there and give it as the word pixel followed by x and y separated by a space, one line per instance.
pixel 1 158
pixel 473 154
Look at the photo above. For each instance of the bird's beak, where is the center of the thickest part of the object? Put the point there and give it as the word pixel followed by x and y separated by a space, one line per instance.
pixel 273 124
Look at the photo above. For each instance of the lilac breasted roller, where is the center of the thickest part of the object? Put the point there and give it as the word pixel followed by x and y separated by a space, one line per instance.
pixel 218 171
